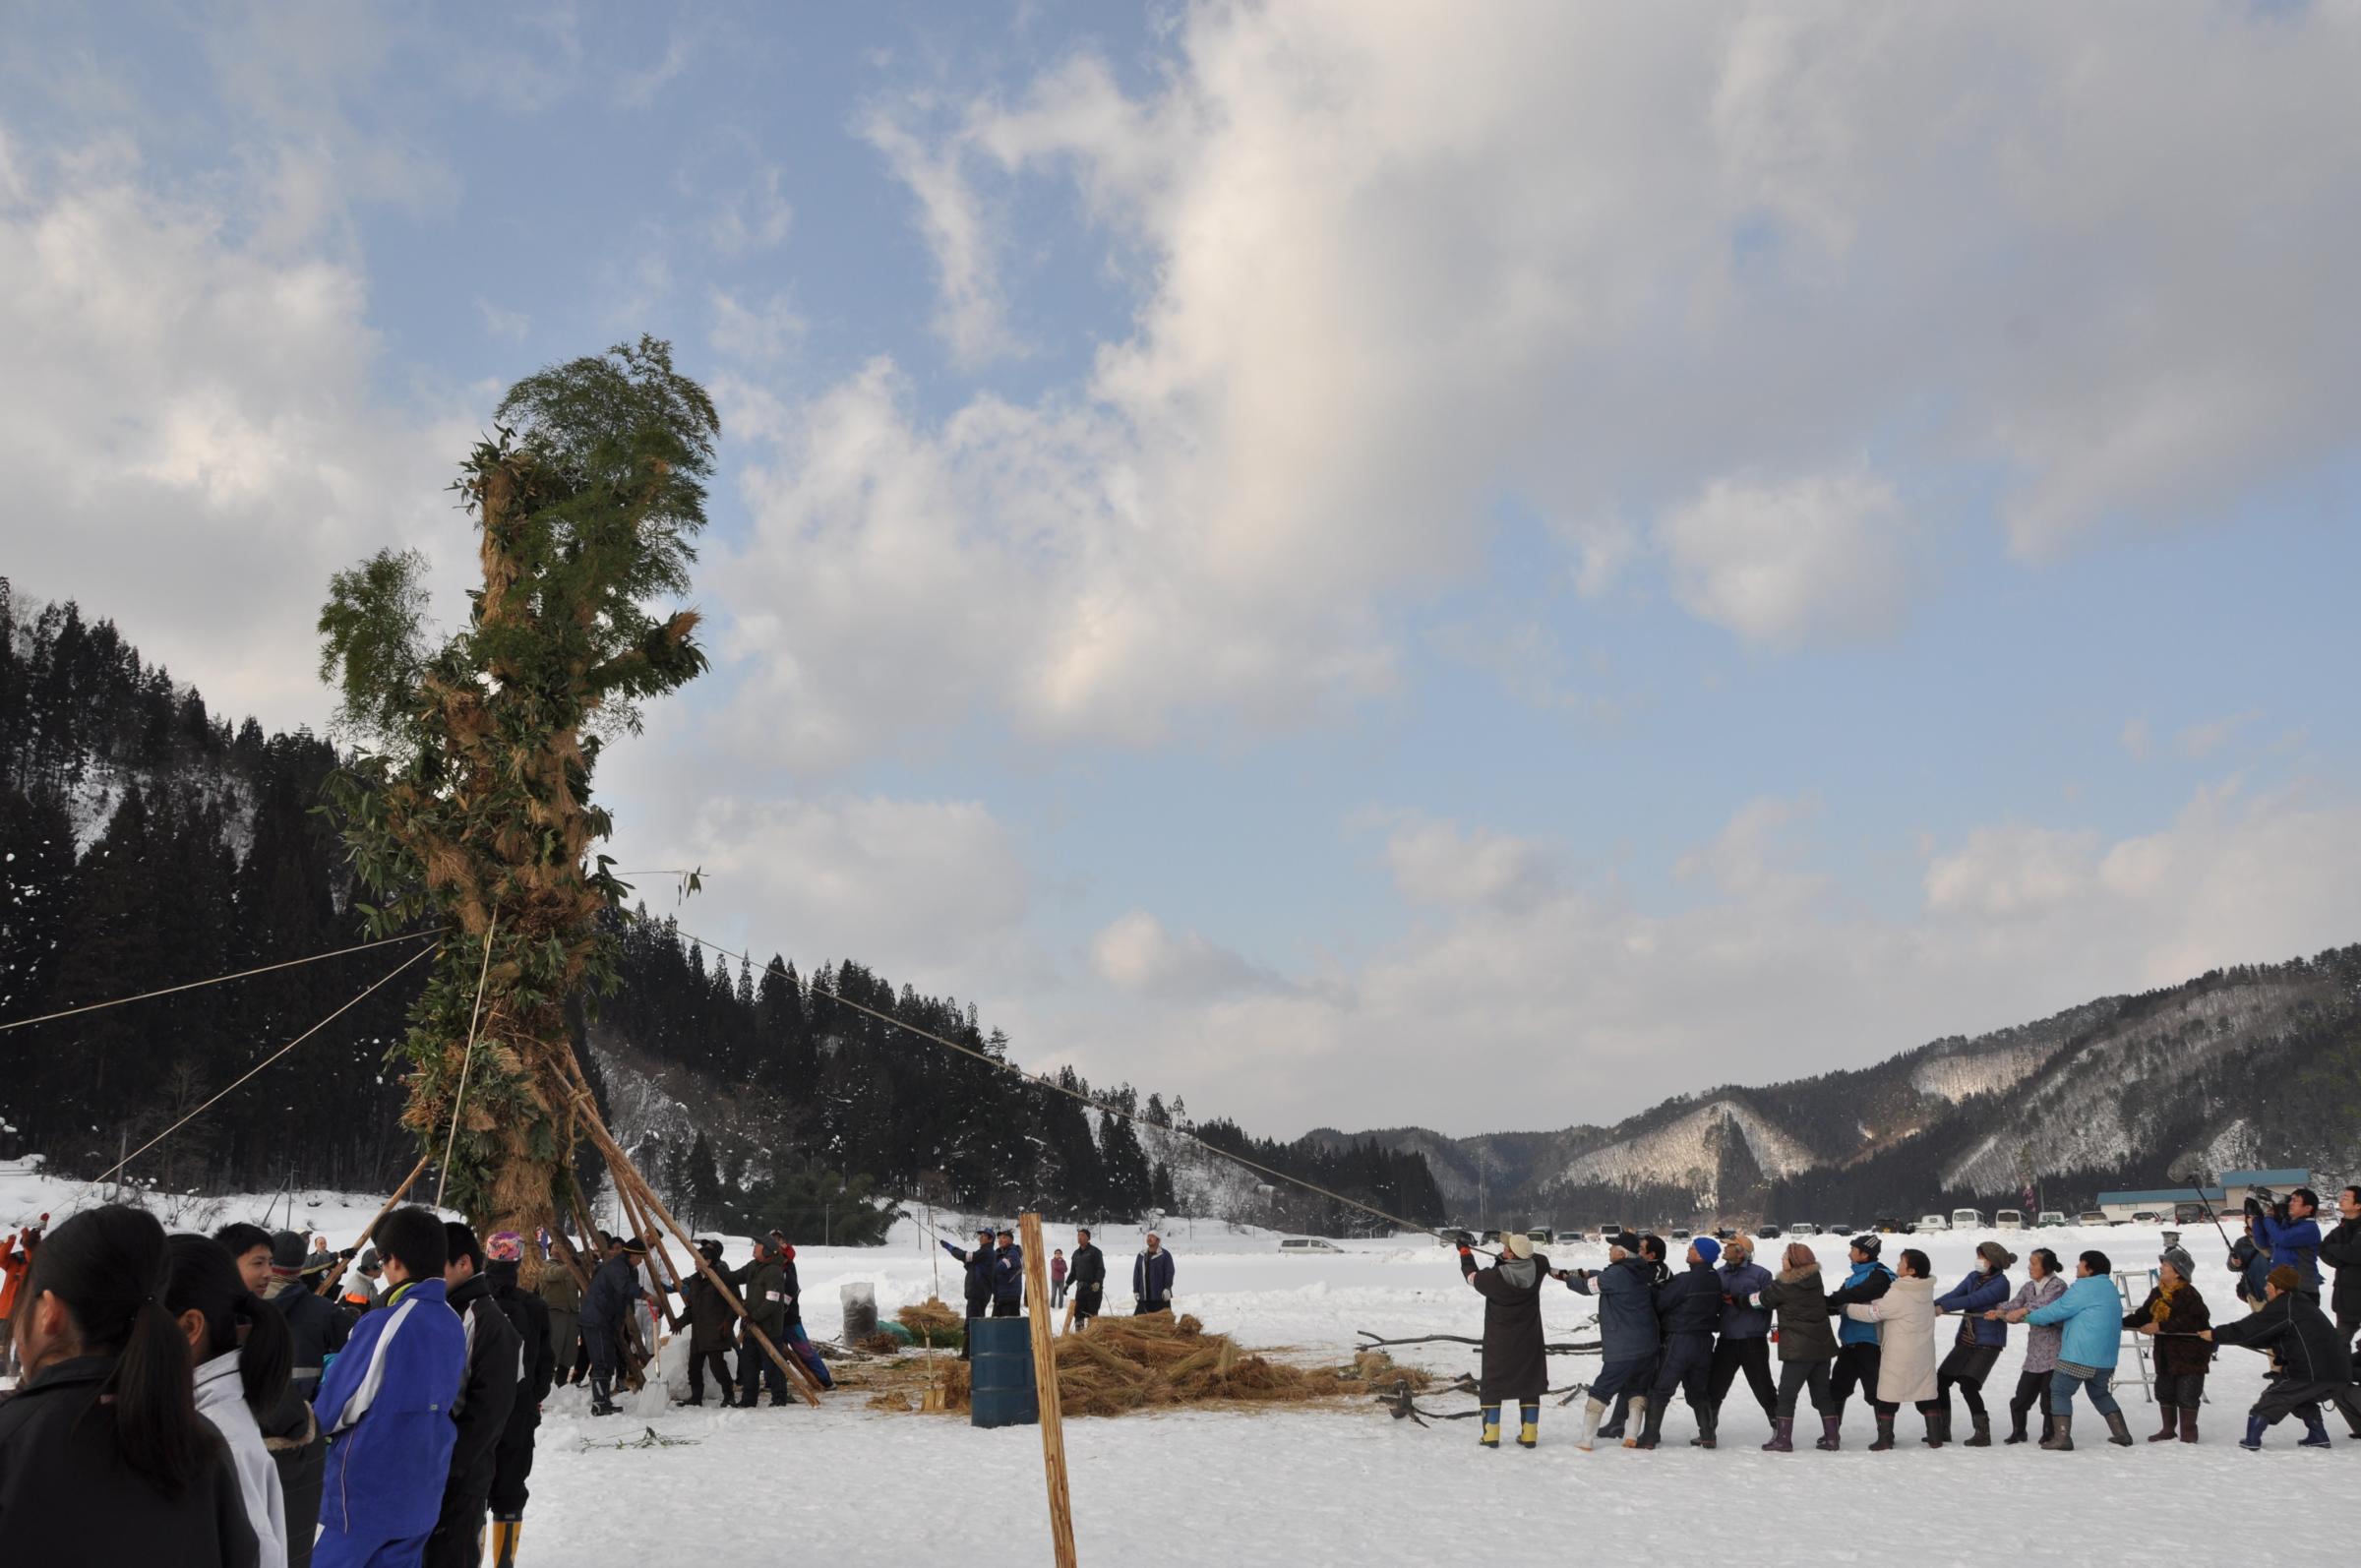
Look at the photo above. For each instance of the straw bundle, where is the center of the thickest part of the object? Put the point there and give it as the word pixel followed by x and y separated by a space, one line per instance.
pixel 933 1323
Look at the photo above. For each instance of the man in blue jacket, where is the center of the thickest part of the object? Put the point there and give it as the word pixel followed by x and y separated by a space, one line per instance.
pixel 2290 1232
pixel 1745 1342
pixel 385 1405
pixel 1007 1277
pixel 1152 1277
pixel 979 1261
pixel 1689 1306
pixel 607 1313
pixel 1858 1348
pixel 1628 1335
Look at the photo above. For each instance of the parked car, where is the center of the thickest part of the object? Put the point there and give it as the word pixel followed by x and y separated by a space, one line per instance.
pixel 1933 1222
pixel 1491 1238
pixel 1540 1235
pixel 1839 1227
pixel 2049 1219
pixel 1803 1228
pixel 2147 1217
pixel 1574 1238
pixel 1307 1243
pixel 1681 1233
pixel 2092 1216
pixel 1966 1218
pixel 2008 1218
pixel 1770 1233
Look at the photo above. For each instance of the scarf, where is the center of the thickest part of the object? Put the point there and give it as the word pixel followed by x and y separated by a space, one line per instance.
pixel 2162 1308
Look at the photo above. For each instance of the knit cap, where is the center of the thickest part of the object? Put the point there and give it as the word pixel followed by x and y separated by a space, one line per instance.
pixel 1992 1252
pixel 286 1252
pixel 1517 1244
pixel 1707 1248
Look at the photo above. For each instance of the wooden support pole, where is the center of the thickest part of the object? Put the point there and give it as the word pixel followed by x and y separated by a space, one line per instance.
pixel 647 1230
pixel 1045 1392
pixel 328 1286
pixel 624 1173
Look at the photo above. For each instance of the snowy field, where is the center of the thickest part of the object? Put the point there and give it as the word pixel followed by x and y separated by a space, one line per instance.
pixel 850 1485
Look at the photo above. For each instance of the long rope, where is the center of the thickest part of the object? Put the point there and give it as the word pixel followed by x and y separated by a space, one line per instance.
pixel 466 1060
pixel 1105 1108
pixel 218 979
pixel 423 952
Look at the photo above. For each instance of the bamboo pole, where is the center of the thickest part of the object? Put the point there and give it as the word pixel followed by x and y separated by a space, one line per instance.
pixel 647 1230
pixel 1045 1392
pixel 329 1284
pixel 620 1166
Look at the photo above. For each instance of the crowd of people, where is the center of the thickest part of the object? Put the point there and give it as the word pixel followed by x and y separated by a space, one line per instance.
pixel 1880 1330
pixel 994 1284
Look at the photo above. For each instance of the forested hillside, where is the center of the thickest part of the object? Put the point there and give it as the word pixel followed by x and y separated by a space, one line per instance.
pixel 148 844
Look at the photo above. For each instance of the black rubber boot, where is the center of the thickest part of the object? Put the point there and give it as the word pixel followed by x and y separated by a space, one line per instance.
pixel 1981 1437
pixel 2061 1435
pixel 1885 1435
pixel 2119 1430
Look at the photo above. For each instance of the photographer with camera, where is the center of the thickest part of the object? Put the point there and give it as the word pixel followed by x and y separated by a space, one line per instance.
pixel 2287 1230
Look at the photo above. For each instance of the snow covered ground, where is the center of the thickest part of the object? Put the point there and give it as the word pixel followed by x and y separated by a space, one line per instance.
pixel 850 1485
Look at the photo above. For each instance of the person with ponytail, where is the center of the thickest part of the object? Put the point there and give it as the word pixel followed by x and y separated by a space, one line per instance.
pixel 239 1346
pixel 103 1456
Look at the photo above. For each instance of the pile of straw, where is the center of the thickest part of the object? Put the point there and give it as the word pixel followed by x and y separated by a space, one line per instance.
pixel 933 1323
pixel 1121 1364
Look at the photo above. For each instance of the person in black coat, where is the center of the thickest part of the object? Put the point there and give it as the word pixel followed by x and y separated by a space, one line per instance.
pixel 1086 1277
pixel 487 1398
pixel 1007 1277
pixel 2340 1249
pixel 711 1325
pixel 980 1262
pixel 1515 1364
pixel 103 1458
pixel 513 1456
pixel 606 1308
pixel 2311 1360
pixel 1858 1350
pixel 1628 1333
pixel 1689 1307
pixel 316 1328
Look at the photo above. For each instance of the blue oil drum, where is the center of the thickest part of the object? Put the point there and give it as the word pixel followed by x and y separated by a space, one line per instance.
pixel 1000 1372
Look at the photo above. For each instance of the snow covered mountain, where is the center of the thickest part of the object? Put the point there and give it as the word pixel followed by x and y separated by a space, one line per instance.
pixel 2237 1067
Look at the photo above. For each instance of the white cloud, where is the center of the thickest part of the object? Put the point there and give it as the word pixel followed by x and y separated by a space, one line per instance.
pixel 1755 856
pixel 638 89
pixel 1135 953
pixel 2016 870
pixel 1439 862
pixel 972 316
pixel 191 432
pixel 769 330
pixel 756 219
pixel 2139 739
pixel 1821 557
pixel 2200 741
pixel 514 326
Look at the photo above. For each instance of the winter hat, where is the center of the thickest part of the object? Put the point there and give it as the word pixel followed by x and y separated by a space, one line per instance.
pixel 636 1248
pixel 287 1252
pixel 1868 1244
pixel 711 1250
pixel 1992 1252
pixel 369 1262
pixel 1517 1244
pixel 2286 1278
pixel 983 1231
pixel 1738 1246
pixel 505 1246
pixel 1708 1250
pixel 2180 1262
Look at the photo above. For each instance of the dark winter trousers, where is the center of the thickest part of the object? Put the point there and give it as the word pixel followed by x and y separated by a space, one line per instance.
pixel 753 1366
pixel 1007 1306
pixel 1687 1366
pixel 565 1339
pixel 2283 1397
pixel 2183 1390
pixel 977 1307
pixel 1794 1377
pixel 716 1359
pixel 1619 1379
pixel 1966 1369
pixel 1753 1358
pixel 513 1465
pixel 2030 1387
pixel 458 1537
pixel 1087 1303
pixel 1855 1365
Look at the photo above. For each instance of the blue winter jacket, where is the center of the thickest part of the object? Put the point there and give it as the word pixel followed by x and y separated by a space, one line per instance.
pixel 386 1404
pixel 1862 1286
pixel 2090 1317
pixel 1627 1307
pixel 1974 1296
pixel 1690 1301
pixel 2295 1244
pixel 1152 1276
pixel 613 1288
pixel 1740 1321
pixel 1008 1275
pixel 979 1261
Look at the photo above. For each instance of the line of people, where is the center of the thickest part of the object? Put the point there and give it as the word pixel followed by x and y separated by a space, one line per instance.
pixel 995 1280
pixel 1879 1331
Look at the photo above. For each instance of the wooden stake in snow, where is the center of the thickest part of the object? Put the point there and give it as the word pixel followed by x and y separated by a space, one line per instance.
pixel 1045 1392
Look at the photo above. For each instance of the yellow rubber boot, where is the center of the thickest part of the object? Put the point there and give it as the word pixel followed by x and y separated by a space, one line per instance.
pixel 506 1533
pixel 1492 1427
pixel 1529 1425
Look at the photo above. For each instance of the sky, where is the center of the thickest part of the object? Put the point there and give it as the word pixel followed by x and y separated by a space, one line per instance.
pixel 1360 563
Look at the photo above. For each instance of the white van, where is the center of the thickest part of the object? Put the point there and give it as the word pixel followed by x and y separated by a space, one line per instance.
pixel 2008 1218
pixel 1307 1243
pixel 1932 1222
pixel 1966 1218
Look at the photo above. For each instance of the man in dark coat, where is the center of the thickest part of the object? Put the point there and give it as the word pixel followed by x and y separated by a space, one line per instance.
pixel 1689 1306
pixel 2340 1249
pixel 979 1261
pixel 710 1326
pixel 1746 1341
pixel 487 1396
pixel 1858 1345
pixel 1628 1333
pixel 315 1329
pixel 1086 1277
pixel 1515 1364
pixel 1007 1277
pixel 762 1287
pixel 799 1344
pixel 606 1307
pixel 2311 1359
pixel 1152 1277
pixel 512 1458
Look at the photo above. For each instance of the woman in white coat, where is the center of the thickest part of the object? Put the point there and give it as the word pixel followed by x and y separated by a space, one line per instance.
pixel 1906 1331
pixel 242 1355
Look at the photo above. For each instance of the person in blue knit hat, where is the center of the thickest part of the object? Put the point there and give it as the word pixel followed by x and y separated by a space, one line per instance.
pixel 1689 1306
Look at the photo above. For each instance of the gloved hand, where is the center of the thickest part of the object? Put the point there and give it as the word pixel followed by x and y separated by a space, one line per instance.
pixel 2254 1207
pixel 1462 1239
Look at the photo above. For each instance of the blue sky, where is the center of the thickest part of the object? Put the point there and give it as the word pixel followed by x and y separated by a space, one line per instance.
pixel 1359 564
